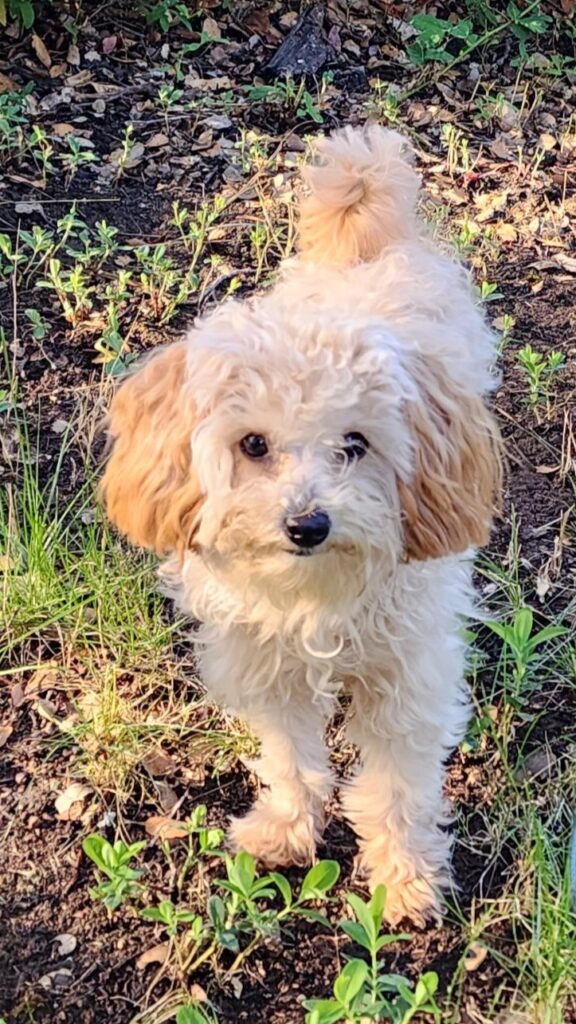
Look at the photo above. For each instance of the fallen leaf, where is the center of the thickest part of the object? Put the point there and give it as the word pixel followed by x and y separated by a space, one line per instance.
pixel 167 796
pixel 538 764
pixel 154 955
pixel 5 734
pixel 73 55
pixel 162 827
pixel 58 69
pixel 547 141
pixel 157 140
pixel 109 44
pixel 75 793
pixel 80 78
pixel 65 944
pixel 566 262
pixel 41 50
pixel 334 38
pixel 211 28
pixel 502 148
pixel 158 762
pixel 43 678
pixel 17 695
pixel 7 84
pixel 506 232
pixel 7 564
pixel 62 128
pixel 134 157
pixel 259 22
pixel 545 470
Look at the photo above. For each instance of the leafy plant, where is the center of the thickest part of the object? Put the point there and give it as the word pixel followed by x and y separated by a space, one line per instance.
pixel 433 35
pixel 520 640
pixel 540 371
pixel 113 861
pixel 442 41
pixel 488 292
pixel 166 13
pixel 245 915
pixel 364 991
pixel 39 325
pixel 20 10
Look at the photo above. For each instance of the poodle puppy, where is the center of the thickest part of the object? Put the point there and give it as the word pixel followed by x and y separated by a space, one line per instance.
pixel 316 466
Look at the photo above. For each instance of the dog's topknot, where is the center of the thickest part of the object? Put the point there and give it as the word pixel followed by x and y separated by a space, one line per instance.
pixel 363 193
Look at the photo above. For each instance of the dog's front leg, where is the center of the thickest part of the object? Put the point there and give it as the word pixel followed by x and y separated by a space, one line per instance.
pixel 395 803
pixel 269 692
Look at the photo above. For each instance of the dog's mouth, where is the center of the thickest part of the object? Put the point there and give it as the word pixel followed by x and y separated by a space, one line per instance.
pixel 303 552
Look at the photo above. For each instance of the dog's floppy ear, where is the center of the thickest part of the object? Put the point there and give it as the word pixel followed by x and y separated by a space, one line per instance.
pixel 149 489
pixel 449 502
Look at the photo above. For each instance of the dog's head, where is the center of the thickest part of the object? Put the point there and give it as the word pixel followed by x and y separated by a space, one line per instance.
pixel 292 448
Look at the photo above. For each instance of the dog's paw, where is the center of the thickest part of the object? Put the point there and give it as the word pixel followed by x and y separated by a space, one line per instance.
pixel 274 839
pixel 418 899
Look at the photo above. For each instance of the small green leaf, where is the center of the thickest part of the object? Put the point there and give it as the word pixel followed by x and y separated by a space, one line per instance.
pixel 283 886
pixel 323 1011
pixel 319 880
pixel 363 914
pixel 350 981
pixel 357 933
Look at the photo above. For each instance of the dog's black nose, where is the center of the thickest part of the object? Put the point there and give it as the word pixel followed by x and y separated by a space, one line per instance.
pixel 308 531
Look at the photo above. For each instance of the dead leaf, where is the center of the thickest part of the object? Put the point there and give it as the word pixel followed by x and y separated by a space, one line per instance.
pixel 7 564
pixel 158 762
pixel 5 734
pixel 502 148
pixel 154 955
pixel 7 84
pixel 41 50
pixel 134 157
pixel 547 141
pixel 29 206
pixel 259 23
pixel 157 140
pixel 17 695
pixel 58 69
pixel 73 55
pixel 490 203
pixel 80 78
pixel 65 944
pixel 62 128
pixel 69 803
pixel 538 765
pixel 109 44
pixel 211 28
pixel 167 796
pixel 566 262
pixel 43 678
pixel 545 470
pixel 506 232
pixel 164 828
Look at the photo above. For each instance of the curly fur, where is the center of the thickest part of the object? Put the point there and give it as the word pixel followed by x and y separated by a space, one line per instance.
pixel 370 329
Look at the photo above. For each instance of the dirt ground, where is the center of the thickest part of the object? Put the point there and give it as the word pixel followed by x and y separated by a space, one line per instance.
pixel 501 185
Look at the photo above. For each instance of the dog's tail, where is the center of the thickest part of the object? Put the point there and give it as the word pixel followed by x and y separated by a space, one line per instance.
pixel 363 194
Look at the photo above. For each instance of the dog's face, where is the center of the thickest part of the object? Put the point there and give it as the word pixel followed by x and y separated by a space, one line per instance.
pixel 291 448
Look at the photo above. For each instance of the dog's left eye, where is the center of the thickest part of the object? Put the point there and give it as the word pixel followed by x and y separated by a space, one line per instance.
pixel 355 446
pixel 254 446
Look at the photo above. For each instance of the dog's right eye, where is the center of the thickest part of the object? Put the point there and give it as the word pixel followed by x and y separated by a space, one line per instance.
pixel 254 446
